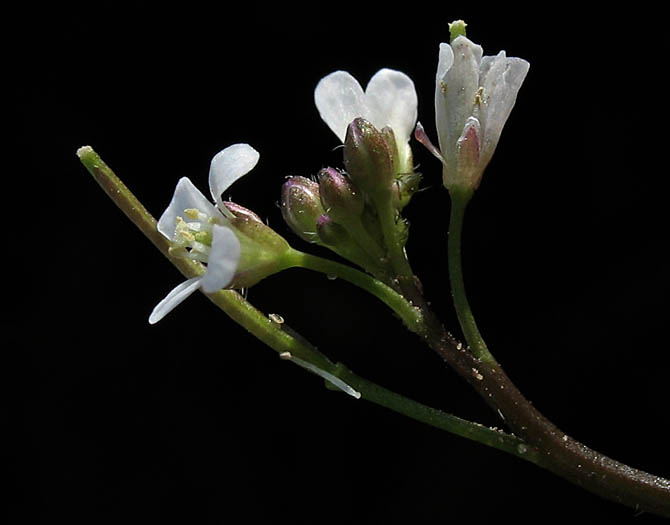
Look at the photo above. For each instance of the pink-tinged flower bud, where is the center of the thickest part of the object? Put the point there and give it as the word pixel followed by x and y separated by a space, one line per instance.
pixel 368 158
pixel 301 206
pixel 340 198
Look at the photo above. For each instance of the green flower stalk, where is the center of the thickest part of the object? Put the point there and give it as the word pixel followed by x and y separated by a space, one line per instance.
pixel 289 344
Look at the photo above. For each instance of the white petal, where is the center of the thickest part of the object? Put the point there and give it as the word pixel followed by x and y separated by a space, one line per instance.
pixel 444 62
pixel 392 100
pixel 223 259
pixel 229 165
pixel 340 99
pixel 172 299
pixel 457 99
pixel 186 196
pixel 501 78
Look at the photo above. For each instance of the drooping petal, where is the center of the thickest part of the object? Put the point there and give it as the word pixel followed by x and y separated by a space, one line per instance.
pixel 501 77
pixel 340 99
pixel 174 298
pixel 223 259
pixel 392 100
pixel 422 137
pixel 227 166
pixel 186 196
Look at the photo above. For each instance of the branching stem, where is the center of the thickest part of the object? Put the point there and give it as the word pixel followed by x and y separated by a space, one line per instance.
pixel 536 439
pixel 284 340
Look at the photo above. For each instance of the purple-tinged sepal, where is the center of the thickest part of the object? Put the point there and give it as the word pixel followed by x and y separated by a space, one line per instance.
pixel 341 199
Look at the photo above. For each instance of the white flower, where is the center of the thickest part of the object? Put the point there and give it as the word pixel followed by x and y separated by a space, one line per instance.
pixel 389 100
pixel 200 230
pixel 474 96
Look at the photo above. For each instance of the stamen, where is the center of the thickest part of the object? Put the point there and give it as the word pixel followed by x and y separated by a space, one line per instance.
pixel 193 239
pixel 195 214
pixel 200 248
pixel 479 96
pixel 191 213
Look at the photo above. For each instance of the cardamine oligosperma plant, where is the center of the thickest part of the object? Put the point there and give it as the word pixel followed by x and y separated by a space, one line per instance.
pixel 355 210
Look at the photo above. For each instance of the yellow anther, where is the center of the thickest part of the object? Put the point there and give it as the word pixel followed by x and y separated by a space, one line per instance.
pixel 192 213
pixel 479 96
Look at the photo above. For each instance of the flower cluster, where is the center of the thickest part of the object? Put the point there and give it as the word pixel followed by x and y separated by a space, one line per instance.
pixel 340 209
pixel 344 209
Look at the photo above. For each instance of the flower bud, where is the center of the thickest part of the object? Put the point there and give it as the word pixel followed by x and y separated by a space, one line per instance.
pixel 301 206
pixel 340 198
pixel 401 152
pixel 262 249
pixel 368 158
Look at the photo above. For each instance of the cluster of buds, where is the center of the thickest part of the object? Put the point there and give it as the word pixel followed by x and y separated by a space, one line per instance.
pixel 348 210
pixel 340 209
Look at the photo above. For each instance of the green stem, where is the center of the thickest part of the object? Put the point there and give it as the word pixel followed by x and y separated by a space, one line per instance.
pixel 285 341
pixel 403 276
pixel 363 239
pixel 459 203
pixel 436 418
pixel 560 453
pixel 411 315
pixel 539 440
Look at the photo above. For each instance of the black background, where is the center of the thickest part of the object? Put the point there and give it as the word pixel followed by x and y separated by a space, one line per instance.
pixel 192 420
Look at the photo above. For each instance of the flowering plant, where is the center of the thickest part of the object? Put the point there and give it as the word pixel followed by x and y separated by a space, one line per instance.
pixel 357 212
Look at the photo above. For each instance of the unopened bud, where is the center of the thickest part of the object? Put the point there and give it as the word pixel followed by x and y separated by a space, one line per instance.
pixel 402 157
pixel 368 157
pixel 301 206
pixel 340 198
